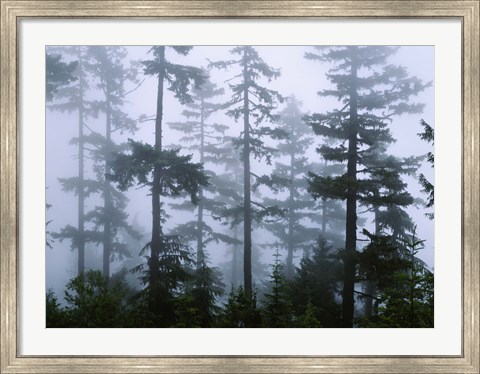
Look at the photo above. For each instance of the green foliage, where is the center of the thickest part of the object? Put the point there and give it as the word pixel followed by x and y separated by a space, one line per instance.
pixel 371 93
pixel 308 319
pixel 170 272
pixel 406 293
pixel 316 282
pixel 255 105
pixel 197 305
pixel 289 177
pixel 241 310
pixel 304 210
pixel 76 236
pixel 55 314
pixel 177 173
pixel 58 74
pixel 208 139
pixel 380 260
pixel 179 77
pixel 261 101
pixel 379 96
pixel 94 302
pixel 277 309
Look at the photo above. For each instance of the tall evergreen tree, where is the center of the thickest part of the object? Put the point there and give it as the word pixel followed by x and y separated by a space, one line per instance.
pixel 277 306
pixel 111 75
pixel 292 233
pixel 254 104
pixel 229 192
pixel 58 74
pixel 386 196
pixel 371 93
pixel 166 173
pixel 208 139
pixel 72 98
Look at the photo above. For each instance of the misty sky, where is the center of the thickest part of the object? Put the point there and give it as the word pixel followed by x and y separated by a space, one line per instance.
pixel 300 77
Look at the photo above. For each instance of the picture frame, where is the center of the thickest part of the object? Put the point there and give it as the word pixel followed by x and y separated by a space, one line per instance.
pixel 13 11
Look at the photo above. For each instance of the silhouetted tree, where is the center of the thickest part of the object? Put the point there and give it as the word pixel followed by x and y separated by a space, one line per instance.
pixel 372 93
pixel 315 283
pixel 255 104
pixel 166 173
pixel 214 151
pixel 292 232
pixel 111 75
pixel 72 98
pixel 386 196
pixel 277 305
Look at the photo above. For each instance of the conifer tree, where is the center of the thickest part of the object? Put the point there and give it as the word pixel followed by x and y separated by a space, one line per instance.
pixel 72 98
pixel 386 196
pixel 292 232
pixel 254 104
pixel 166 173
pixel 277 306
pixel 229 193
pixel 406 286
pixel 198 304
pixel 315 283
pixel 241 310
pixel 58 75
pixel 371 93
pixel 213 149
pixel 111 75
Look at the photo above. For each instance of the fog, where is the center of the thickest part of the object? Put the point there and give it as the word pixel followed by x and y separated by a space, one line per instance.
pixel 299 77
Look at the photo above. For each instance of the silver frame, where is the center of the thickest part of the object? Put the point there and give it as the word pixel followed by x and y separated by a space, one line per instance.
pixel 466 11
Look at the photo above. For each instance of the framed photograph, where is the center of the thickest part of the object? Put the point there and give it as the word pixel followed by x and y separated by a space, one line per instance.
pixel 240 186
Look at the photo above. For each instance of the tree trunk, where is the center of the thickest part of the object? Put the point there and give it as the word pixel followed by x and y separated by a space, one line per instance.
pixel 81 191
pixel 291 244
pixel 351 216
pixel 156 242
pixel 370 290
pixel 324 205
pixel 107 196
pixel 370 286
pixel 235 259
pixel 200 254
pixel 412 287
pixel 247 225
pixel 324 216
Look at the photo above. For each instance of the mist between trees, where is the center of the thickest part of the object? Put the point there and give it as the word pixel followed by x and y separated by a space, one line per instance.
pixel 239 186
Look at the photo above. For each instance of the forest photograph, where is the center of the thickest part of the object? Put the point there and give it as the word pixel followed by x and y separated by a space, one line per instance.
pixel 239 186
